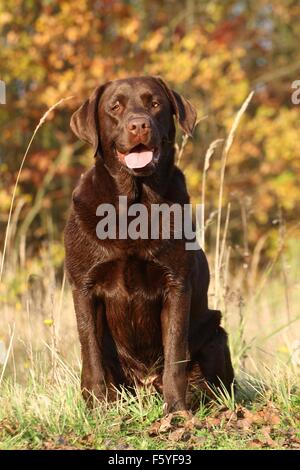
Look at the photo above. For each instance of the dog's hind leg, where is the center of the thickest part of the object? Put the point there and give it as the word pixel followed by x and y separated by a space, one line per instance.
pixel 209 347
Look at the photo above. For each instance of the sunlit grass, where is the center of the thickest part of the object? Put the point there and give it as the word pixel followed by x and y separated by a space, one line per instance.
pixel 40 400
pixel 47 412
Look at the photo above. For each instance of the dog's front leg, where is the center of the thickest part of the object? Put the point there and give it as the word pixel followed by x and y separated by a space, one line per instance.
pixel 92 375
pixel 175 323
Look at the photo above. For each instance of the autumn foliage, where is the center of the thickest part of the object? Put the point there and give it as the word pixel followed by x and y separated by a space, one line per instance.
pixel 213 52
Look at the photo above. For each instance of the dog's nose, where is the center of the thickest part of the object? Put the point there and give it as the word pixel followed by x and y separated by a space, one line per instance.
pixel 138 125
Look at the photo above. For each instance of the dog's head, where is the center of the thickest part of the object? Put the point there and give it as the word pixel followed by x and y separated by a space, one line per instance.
pixel 130 122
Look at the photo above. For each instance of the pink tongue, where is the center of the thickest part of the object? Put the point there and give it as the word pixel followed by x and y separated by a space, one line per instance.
pixel 138 159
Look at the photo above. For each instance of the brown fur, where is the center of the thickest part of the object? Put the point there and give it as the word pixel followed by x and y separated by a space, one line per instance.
pixel 141 305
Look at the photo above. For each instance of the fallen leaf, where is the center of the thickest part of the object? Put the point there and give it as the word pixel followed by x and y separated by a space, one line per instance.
pixel 154 429
pixel 8 427
pixel 198 441
pixel 176 435
pixel 50 445
pixel 292 442
pixel 256 443
pixel 212 421
pixel 268 415
pixel 165 424
pixel 193 423
pixel 186 436
pixel 123 446
pixel 243 424
pixel 180 416
pixel 267 438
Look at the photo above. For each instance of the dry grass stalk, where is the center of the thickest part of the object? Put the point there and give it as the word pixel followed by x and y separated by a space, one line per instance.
pixel 185 138
pixel 41 122
pixel 208 155
pixel 9 349
pixel 225 152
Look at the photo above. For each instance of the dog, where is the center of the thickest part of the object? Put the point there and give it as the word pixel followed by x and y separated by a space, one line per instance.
pixel 141 305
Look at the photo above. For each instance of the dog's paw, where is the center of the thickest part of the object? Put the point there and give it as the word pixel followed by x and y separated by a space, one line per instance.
pixel 94 393
pixel 174 406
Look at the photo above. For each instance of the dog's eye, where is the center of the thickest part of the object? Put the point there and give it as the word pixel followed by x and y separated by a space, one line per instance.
pixel 116 106
pixel 155 104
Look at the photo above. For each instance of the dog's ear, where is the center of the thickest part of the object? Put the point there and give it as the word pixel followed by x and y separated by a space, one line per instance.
pixel 184 111
pixel 85 122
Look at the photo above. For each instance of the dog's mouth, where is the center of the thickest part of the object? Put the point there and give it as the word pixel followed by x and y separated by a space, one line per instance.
pixel 138 156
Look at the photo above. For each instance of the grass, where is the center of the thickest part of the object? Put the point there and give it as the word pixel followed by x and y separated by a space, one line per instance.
pixel 41 405
pixel 49 413
pixel 40 401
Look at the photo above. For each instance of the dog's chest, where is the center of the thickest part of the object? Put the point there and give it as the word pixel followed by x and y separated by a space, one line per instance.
pixel 128 277
pixel 131 289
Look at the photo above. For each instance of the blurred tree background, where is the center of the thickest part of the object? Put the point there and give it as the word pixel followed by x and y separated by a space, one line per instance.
pixel 213 52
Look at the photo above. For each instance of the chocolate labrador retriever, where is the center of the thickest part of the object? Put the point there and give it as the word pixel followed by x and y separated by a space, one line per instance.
pixel 141 304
